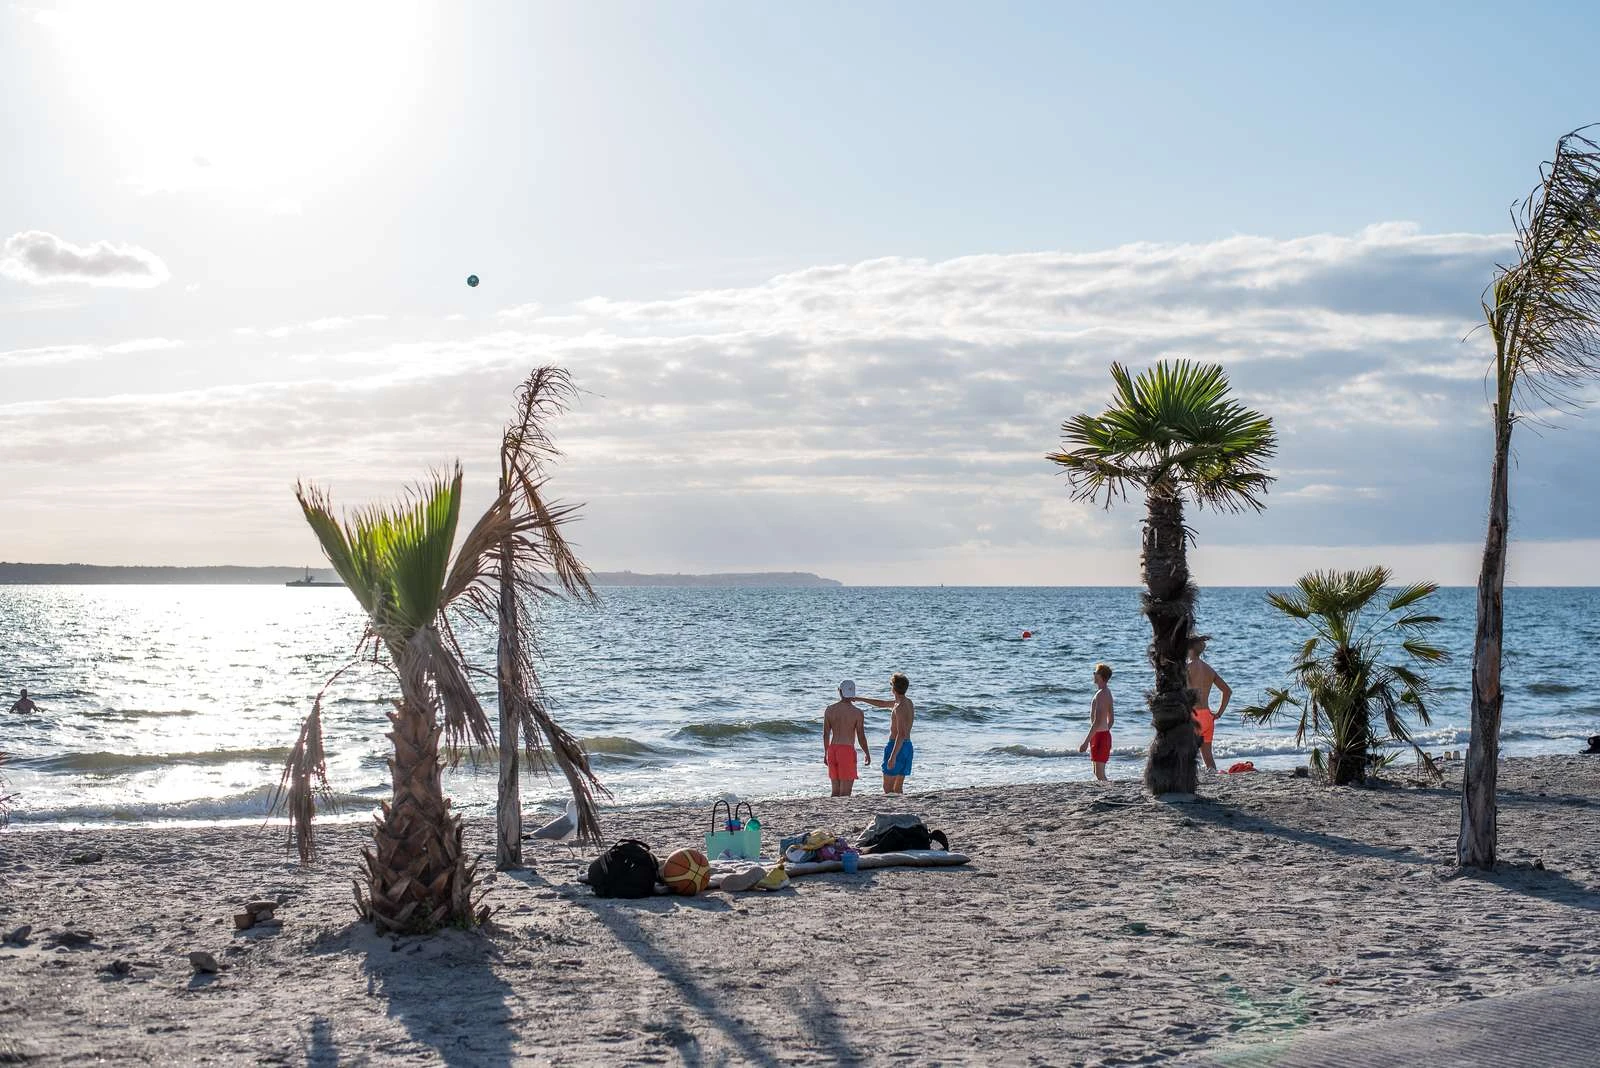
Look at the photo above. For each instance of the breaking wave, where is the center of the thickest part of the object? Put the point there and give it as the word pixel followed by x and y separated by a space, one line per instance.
pixel 725 733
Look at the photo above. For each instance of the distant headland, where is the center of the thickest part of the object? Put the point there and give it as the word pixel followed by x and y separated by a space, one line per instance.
pixel 99 575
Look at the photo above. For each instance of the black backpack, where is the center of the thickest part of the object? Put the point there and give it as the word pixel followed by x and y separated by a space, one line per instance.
pixel 900 839
pixel 627 869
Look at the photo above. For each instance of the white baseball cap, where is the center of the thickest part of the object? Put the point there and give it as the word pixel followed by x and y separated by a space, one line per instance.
pixel 847 689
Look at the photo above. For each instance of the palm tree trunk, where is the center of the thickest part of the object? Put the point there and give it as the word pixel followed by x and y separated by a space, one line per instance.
pixel 1347 764
pixel 1169 605
pixel 1475 848
pixel 508 805
pixel 418 877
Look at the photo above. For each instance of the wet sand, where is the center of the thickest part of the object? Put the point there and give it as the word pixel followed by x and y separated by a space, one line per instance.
pixel 1095 925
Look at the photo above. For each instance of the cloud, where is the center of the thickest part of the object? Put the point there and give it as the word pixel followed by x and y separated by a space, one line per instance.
pixel 314 326
pixel 38 258
pixel 884 418
pixel 59 354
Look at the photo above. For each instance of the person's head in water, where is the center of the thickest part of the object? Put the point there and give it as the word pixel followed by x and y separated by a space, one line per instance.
pixel 1197 646
pixel 1102 673
pixel 899 684
pixel 24 693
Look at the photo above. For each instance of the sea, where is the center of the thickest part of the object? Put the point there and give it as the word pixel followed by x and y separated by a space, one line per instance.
pixel 179 703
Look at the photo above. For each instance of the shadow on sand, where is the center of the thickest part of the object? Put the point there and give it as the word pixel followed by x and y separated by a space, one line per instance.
pixel 818 1019
pixel 1522 879
pixel 442 988
pixel 1221 814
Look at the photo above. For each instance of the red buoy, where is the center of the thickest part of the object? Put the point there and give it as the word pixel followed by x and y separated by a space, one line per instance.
pixel 1027 634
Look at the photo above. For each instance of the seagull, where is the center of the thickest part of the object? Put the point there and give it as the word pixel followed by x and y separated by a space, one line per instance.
pixel 563 829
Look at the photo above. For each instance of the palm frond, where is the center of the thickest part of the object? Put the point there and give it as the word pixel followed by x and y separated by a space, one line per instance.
pixel 1407 596
pixel 1544 310
pixel 1170 429
pixel 1340 675
pixel 304 788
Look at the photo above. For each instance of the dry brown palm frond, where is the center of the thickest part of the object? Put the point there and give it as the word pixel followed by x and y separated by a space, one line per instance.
pixel 465 721
pixel 532 562
pixel 304 784
pixel 1544 310
pixel 5 799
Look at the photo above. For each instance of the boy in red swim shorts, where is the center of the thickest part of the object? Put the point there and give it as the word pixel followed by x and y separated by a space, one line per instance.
pixel 840 720
pixel 1102 714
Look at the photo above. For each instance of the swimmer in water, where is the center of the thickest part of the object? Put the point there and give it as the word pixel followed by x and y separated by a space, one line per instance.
pixel 24 705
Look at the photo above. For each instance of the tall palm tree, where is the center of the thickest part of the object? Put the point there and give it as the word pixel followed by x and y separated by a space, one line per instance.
pixel 1543 312
pixel 532 566
pixel 1174 433
pixel 1348 695
pixel 398 563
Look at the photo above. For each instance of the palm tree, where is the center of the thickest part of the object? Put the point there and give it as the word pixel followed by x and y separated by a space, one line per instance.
pixel 1347 695
pixel 526 573
pixel 5 798
pixel 398 563
pixel 1174 433
pixel 1543 313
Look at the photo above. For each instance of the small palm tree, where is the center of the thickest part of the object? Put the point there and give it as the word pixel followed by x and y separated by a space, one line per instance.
pixel 5 798
pixel 1173 433
pixel 1347 692
pixel 403 566
pixel 1544 315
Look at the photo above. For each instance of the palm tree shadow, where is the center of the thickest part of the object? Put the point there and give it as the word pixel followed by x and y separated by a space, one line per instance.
pixel 1522 879
pixel 631 935
pixel 1539 883
pixel 1221 814
pixel 414 976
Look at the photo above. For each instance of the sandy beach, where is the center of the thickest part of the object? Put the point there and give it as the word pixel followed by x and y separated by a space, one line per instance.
pixel 1095 925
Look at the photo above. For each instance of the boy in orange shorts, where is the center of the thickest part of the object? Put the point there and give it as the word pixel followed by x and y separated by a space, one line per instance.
pixel 840 720
pixel 1102 714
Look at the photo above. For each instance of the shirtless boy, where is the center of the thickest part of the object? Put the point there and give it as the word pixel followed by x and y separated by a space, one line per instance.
pixel 841 720
pixel 1102 714
pixel 897 750
pixel 25 705
pixel 1202 676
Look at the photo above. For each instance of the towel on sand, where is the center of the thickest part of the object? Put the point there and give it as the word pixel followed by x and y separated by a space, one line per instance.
pixel 910 858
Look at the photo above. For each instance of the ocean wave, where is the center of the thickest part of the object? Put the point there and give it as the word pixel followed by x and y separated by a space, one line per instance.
pixel 1047 689
pixel 941 710
pixel 1033 752
pixel 247 804
pixel 720 733
pixel 604 749
pixel 99 761
pixel 1548 689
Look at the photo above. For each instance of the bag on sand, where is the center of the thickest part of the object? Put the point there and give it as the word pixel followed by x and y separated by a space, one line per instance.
pixel 896 834
pixel 731 836
pixel 627 869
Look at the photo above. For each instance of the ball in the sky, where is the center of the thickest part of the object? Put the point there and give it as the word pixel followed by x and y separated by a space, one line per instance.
pixel 472 280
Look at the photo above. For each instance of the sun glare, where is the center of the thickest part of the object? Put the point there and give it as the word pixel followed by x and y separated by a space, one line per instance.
pixel 259 99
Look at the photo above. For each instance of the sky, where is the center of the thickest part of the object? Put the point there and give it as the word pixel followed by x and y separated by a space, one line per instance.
pixel 829 276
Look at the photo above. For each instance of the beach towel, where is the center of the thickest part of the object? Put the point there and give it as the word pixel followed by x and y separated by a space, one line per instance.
pixel 909 858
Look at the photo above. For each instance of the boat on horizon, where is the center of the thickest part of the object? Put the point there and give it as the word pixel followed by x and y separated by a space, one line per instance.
pixel 309 581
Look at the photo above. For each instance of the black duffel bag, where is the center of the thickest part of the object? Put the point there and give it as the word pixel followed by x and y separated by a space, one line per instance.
pixel 627 869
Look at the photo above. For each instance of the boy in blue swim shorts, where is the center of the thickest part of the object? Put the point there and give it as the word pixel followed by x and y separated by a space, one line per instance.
pixel 897 751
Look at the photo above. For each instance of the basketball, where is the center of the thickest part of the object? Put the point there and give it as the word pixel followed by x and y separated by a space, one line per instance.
pixel 687 872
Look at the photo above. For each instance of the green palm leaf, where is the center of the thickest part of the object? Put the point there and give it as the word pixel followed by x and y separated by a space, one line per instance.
pixel 1353 695
pixel 1173 430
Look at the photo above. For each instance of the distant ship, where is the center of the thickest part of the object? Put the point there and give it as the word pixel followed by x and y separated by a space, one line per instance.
pixel 309 581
